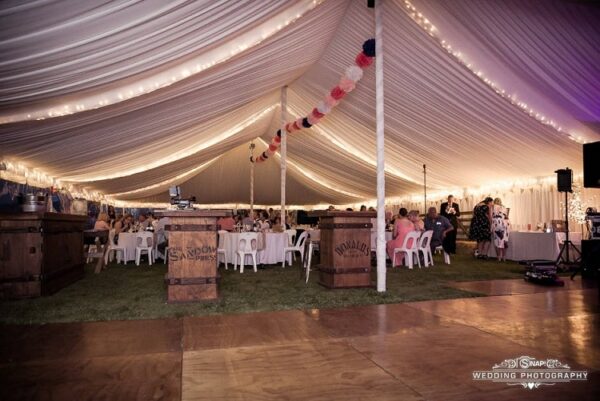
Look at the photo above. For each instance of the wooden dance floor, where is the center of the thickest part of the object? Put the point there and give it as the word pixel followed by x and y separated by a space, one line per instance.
pixel 414 351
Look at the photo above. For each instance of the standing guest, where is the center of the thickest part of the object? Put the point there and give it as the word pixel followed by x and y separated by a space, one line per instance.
pixel 402 226
pixel 413 216
pixel 112 216
pixel 451 211
pixel 440 226
pixel 227 223
pixel 102 222
pixel 500 228
pixel 481 227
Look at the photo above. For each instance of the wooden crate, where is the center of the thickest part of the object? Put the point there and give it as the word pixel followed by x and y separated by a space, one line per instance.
pixel 40 253
pixel 192 274
pixel 345 249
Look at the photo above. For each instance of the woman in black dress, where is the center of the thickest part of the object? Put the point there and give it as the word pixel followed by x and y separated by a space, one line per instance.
pixel 481 227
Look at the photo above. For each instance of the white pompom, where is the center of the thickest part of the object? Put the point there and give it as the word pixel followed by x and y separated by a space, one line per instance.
pixel 323 108
pixel 354 73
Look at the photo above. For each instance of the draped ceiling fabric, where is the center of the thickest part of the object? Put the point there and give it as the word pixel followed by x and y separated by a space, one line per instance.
pixel 195 131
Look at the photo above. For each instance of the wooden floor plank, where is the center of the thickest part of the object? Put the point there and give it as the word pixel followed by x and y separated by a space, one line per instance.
pixel 438 363
pixel 264 328
pixel 86 340
pixel 135 377
pixel 313 370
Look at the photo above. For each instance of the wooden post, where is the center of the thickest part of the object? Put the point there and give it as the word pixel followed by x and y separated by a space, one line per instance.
pixel 381 269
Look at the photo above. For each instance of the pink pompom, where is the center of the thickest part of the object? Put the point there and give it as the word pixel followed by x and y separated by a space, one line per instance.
pixel 324 108
pixel 337 93
pixel 346 84
pixel 354 73
pixel 317 113
pixel 277 139
pixel 363 61
pixel 330 101
pixel 272 148
pixel 289 127
pixel 311 119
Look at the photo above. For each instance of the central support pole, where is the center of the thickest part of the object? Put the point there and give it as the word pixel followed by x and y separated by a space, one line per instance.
pixel 381 268
pixel 252 181
pixel 283 152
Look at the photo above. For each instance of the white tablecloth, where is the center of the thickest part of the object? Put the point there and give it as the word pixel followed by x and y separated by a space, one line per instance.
pixel 129 242
pixel 271 254
pixel 528 245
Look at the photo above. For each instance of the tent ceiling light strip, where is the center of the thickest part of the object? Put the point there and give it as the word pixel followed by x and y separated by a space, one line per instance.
pixel 431 30
pixel 204 61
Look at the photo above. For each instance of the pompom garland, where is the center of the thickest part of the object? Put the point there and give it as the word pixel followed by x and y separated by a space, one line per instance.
pixel 347 84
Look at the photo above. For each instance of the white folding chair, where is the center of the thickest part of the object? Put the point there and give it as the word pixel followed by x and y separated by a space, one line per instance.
pixel 425 248
pixel 144 244
pixel 221 246
pixel 413 250
pixel 299 247
pixel 308 258
pixel 291 237
pixel 247 245
pixel 118 249
pixel 440 249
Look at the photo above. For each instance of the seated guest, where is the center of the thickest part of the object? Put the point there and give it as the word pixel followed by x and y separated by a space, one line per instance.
pixel 349 209
pixel 402 227
pixel 263 221
pixel 143 221
pixel 440 225
pixel 331 208
pixel 124 225
pixel 247 220
pixel 102 222
pixel 277 227
pixel 413 216
pixel 227 223
pixel 363 208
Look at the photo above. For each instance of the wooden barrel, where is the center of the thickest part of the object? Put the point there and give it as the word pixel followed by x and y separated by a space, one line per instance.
pixel 345 249
pixel 40 253
pixel 192 260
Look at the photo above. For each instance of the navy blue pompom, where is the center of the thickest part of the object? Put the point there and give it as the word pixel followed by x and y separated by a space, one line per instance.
pixel 369 48
pixel 251 159
pixel 264 154
pixel 305 123
pixel 279 133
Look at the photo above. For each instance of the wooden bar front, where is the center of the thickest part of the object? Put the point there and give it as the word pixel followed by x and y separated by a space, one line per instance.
pixel 40 253
pixel 345 248
pixel 192 274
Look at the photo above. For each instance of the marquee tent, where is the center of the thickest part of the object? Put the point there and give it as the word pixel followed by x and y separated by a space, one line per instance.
pixel 125 98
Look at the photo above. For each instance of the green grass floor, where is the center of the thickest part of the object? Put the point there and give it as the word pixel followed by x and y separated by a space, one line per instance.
pixel 131 292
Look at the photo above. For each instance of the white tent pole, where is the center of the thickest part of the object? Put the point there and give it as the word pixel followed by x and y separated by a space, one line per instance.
pixel 283 152
pixel 381 269
pixel 251 189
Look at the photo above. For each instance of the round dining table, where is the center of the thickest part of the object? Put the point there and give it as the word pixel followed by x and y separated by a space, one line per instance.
pixel 269 248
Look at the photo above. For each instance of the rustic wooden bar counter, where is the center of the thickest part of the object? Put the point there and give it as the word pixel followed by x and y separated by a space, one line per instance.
pixel 345 248
pixel 192 260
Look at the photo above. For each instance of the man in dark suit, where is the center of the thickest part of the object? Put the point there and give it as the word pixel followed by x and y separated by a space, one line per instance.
pixel 451 211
